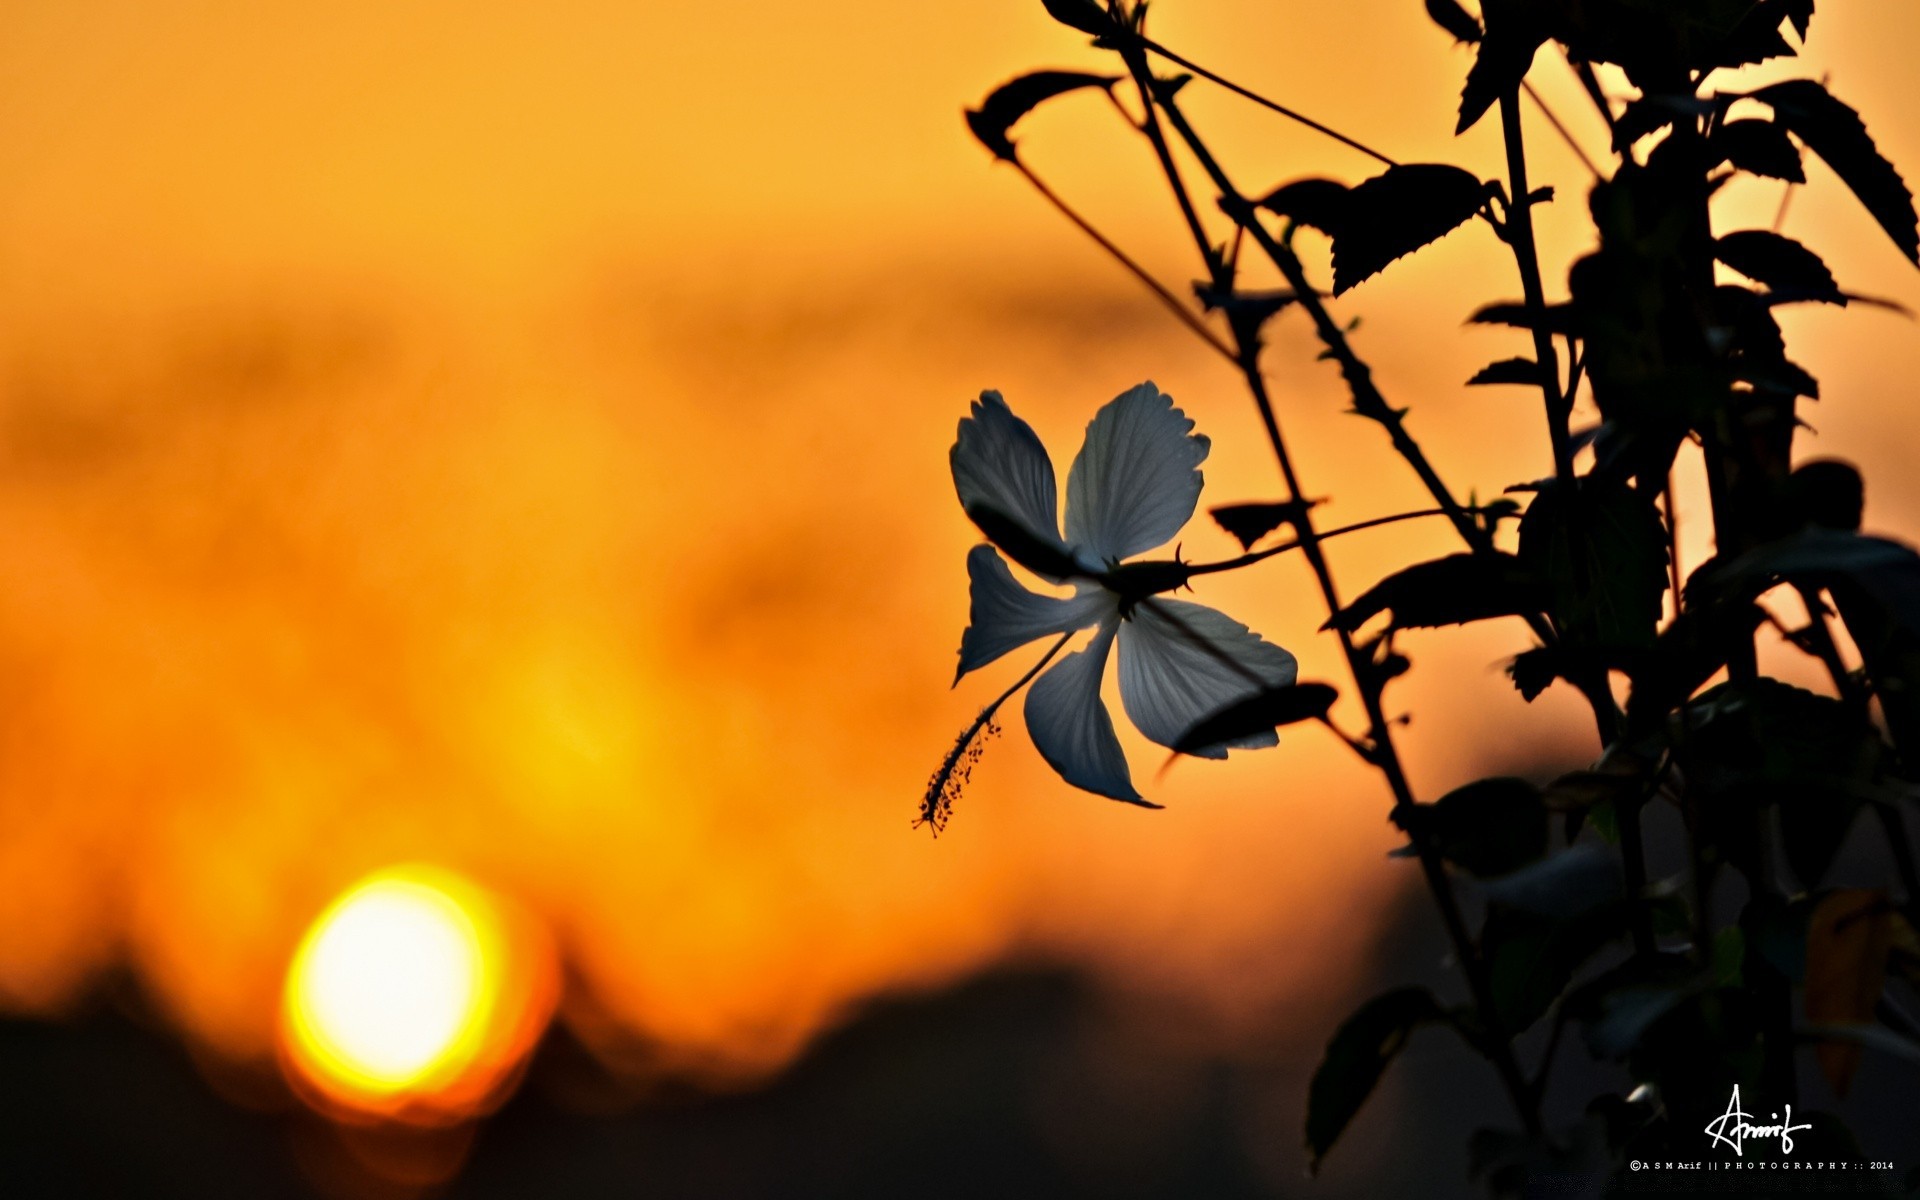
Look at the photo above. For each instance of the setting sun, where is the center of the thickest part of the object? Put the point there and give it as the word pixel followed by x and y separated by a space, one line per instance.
pixel 402 998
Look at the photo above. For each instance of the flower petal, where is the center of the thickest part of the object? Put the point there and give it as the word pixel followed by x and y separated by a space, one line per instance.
pixel 1070 726
pixel 1181 663
pixel 1006 616
pixel 1136 479
pixel 998 463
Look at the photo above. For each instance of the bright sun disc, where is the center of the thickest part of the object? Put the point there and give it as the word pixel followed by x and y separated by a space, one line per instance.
pixel 409 997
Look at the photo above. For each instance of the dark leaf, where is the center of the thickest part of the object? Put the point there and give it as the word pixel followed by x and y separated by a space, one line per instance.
pixel 1533 672
pixel 1531 957
pixel 1042 558
pixel 1248 523
pixel 1602 549
pixel 1448 15
pixel 1397 212
pixel 1261 713
pixel 1510 370
pixel 1759 148
pixel 1317 203
pixel 1800 12
pixel 1847 942
pixel 1448 591
pixel 1828 493
pixel 996 116
pixel 1780 263
pixel 1492 827
pixel 1356 1057
pixel 1652 113
pixel 1513 35
pixel 1553 318
pixel 1835 132
pixel 1575 881
pixel 1084 15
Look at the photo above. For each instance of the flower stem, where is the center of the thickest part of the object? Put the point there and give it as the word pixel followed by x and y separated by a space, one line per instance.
pixel 1247 560
pixel 1526 255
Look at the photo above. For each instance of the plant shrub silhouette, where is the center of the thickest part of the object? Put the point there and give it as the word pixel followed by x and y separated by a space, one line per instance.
pixel 1694 997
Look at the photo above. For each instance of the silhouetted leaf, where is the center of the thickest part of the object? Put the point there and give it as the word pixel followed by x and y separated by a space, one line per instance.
pixel 1084 15
pixel 1553 318
pixel 1602 549
pixel 1847 942
pixel 1317 203
pixel 995 118
pixel 1759 148
pixel 1448 15
pixel 1654 112
pixel 1780 263
pixel 1248 523
pixel 1829 493
pixel 1510 370
pixel 1448 591
pixel 1013 540
pixel 1531 956
pixel 1397 212
pixel 1356 1057
pixel 1260 713
pixel 1513 35
pixel 1800 12
pixel 1490 827
pixel 1574 881
pixel 1534 671
pixel 1834 132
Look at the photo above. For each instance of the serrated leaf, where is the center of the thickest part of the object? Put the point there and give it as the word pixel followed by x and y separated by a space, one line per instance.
pixel 1316 203
pixel 1835 132
pixel 1490 827
pixel 1356 1057
pixel 1800 12
pixel 1453 590
pixel 1084 15
pixel 1651 113
pixel 1448 15
pixel 1397 212
pixel 1602 549
pixel 1248 523
pixel 1262 712
pixel 1783 265
pixel 994 120
pixel 1759 148
pixel 1522 371
pixel 1513 35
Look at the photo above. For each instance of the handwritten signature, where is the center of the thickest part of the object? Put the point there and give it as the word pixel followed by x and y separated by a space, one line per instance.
pixel 1731 1128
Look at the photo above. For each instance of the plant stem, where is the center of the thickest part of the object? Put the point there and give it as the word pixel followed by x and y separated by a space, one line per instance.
pixel 1526 256
pixel 1262 101
pixel 1566 135
pixel 1139 272
pixel 1247 560
pixel 1385 755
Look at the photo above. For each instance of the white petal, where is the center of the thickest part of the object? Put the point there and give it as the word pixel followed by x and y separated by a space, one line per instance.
pixel 1070 726
pixel 998 462
pixel 1181 663
pixel 1137 478
pixel 1006 616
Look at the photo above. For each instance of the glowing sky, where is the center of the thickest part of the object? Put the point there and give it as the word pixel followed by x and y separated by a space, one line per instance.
pixel 514 437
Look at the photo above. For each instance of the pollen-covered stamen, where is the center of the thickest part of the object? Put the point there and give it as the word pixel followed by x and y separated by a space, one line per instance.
pixel 956 771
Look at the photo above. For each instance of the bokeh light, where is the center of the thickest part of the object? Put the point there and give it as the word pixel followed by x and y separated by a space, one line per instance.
pixel 413 995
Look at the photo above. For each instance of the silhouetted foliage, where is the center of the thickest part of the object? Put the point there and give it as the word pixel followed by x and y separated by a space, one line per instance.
pixel 1714 977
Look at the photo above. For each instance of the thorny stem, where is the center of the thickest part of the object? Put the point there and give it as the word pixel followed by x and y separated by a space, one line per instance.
pixel 1384 754
pixel 1167 298
pixel 1526 255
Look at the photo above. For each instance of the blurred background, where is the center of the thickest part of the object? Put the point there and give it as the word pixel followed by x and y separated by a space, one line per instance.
pixel 508 444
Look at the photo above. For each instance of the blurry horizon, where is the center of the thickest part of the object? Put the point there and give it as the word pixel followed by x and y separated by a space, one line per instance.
pixel 516 440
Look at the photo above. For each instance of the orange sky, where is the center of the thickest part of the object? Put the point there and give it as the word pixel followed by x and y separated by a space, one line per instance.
pixel 515 437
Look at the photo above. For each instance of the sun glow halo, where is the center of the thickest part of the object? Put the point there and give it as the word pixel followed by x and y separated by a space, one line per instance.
pixel 410 996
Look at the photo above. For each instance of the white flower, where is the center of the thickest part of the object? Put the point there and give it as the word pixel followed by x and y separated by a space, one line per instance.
pixel 1133 486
